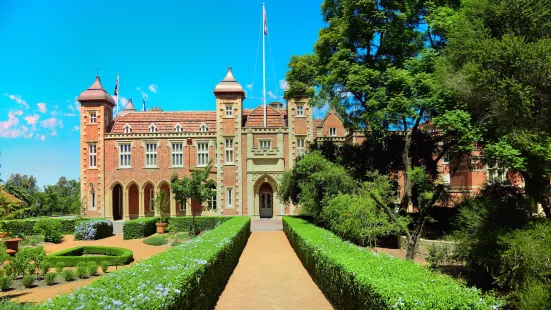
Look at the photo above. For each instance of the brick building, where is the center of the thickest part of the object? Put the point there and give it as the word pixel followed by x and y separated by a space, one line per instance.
pixel 128 159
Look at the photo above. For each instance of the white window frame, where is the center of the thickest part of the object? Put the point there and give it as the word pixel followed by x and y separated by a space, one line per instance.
pixel 152 128
pixel 301 146
pixel 446 159
pixel 202 153
pixel 228 110
pixel 300 110
pixel 93 117
pixel 151 148
pixel 125 155
pixel 332 131
pixel 178 128
pixel 265 144
pixel 496 174
pixel 177 154
pixel 229 197
pixel 127 128
pixel 92 155
pixel 212 202
pixel 93 200
pixel 228 151
pixel 204 128
pixel 152 199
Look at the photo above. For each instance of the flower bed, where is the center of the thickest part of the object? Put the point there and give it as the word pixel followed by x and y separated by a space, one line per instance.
pixel 93 230
pixel 139 228
pixel 355 278
pixel 144 227
pixel 71 257
pixel 25 227
pixel 188 276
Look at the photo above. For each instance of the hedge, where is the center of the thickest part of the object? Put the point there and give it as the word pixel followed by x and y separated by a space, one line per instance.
pixel 25 227
pixel 93 229
pixel 71 257
pixel 139 228
pixel 188 276
pixel 356 278
pixel 144 227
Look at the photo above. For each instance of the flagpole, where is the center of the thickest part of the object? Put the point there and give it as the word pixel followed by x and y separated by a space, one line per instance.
pixel 264 27
pixel 117 93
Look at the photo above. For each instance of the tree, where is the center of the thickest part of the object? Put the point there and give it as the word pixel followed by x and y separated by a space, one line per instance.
pixel 497 64
pixel 198 187
pixel 161 205
pixel 375 64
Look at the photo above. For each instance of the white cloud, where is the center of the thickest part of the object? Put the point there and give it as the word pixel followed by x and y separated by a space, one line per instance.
pixel 71 107
pixel 271 94
pixel 32 119
pixel 122 103
pixel 69 114
pixel 75 128
pixel 41 107
pixel 12 121
pixel 154 88
pixel 18 99
pixel 283 84
pixel 10 128
pixel 77 104
pixel 249 86
pixel 42 137
pixel 52 123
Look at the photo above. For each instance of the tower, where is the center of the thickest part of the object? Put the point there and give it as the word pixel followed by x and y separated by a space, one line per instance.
pixel 301 127
pixel 96 118
pixel 229 115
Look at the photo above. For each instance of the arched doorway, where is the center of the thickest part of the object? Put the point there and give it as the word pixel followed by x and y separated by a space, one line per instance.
pixel 266 195
pixel 117 202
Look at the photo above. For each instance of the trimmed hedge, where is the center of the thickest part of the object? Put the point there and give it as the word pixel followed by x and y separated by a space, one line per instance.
pixel 25 227
pixel 356 278
pixel 188 276
pixel 144 227
pixel 71 257
pixel 139 228
pixel 93 229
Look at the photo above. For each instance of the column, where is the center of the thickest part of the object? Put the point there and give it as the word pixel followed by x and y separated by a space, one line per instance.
pixel 173 206
pixel 125 207
pixel 141 204
pixel 156 191
pixel 188 207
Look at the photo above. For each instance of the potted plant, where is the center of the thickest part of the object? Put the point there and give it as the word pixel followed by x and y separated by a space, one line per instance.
pixel 161 204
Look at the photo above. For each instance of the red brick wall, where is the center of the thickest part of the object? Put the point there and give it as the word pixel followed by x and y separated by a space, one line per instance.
pixel 333 121
pixel 134 199
pixel 244 173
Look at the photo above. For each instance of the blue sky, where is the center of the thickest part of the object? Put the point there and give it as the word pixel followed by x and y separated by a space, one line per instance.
pixel 175 53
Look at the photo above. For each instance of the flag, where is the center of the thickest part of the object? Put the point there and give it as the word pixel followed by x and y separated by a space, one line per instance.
pixel 265 21
pixel 116 93
pixel 143 103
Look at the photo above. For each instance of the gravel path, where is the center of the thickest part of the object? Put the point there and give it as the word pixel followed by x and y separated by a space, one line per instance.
pixel 269 275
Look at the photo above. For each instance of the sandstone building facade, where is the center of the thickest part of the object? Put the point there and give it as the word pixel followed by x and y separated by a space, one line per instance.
pixel 128 159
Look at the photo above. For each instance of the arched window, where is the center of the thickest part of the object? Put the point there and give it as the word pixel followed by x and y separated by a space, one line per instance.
pixel 177 128
pixel 127 129
pixel 204 128
pixel 152 128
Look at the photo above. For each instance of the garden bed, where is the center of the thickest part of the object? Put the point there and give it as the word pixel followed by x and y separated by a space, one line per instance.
pixel 144 227
pixel 356 278
pixel 71 257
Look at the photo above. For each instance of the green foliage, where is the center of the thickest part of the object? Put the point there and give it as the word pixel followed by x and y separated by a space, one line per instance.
pixel 190 276
pixel 93 229
pixel 155 240
pixel 139 228
pixel 161 205
pixel 312 180
pixel 8 305
pixel 203 223
pixel 25 227
pixel 375 281
pixel 50 278
pixel 58 266
pixel 534 295
pixel 82 270
pixel 5 283
pixel 68 275
pixel 92 268
pixel 25 261
pixel 437 255
pixel 74 256
pixel 51 230
pixel 28 280
pixel 358 219
pixel 176 243
pixel 32 240
pixel 104 266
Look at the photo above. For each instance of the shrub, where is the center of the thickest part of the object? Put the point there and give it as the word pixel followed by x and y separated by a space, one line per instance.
pixel 93 230
pixel 68 275
pixel 25 227
pixel 139 228
pixel 44 267
pixel 176 243
pixel 155 240
pixel 203 223
pixel 28 280
pixel 58 266
pixel 355 278
pixel 73 256
pixel 104 266
pixel 51 230
pixel 92 268
pixel 50 278
pixel 32 240
pixel 185 277
pixel 358 219
pixel 8 305
pixel 82 270
pixel 534 295
pixel 5 283
pixel 437 255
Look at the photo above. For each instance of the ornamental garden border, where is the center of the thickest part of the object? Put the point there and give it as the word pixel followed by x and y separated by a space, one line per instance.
pixel 71 257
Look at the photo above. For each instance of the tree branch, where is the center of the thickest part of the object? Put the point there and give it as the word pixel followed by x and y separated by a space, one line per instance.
pixel 389 213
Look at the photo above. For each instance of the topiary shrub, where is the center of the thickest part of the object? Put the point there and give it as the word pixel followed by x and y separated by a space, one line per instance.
pixel 5 283
pixel 203 223
pixel 82 270
pixel 104 266
pixel 51 230
pixel 59 267
pixel 68 275
pixel 139 228
pixel 92 268
pixel 44 267
pixel 28 280
pixel 71 257
pixel 93 230
pixel 155 240
pixel 50 278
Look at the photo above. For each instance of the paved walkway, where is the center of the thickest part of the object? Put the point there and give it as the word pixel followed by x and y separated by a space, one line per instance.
pixel 269 275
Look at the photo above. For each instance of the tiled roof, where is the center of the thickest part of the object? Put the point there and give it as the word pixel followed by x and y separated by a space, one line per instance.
pixel 11 199
pixel 317 122
pixel 165 121
pixel 274 119
pixel 95 92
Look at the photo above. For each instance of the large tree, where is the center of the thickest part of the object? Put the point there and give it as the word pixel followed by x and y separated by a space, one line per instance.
pixel 375 62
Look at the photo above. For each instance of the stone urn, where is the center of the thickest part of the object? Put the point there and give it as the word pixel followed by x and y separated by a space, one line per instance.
pixel 161 227
pixel 12 245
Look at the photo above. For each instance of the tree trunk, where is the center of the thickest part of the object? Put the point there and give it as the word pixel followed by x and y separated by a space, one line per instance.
pixel 406 161
pixel 415 236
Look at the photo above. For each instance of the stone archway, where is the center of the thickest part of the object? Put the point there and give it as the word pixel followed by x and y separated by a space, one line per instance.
pixel 264 193
pixel 266 198
pixel 116 202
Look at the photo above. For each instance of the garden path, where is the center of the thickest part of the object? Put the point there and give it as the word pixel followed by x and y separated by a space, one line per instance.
pixel 269 275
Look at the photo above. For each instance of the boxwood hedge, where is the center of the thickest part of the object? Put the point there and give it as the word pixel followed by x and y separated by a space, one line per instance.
pixel 25 227
pixel 144 227
pixel 93 229
pixel 188 276
pixel 356 278
pixel 139 228
pixel 71 257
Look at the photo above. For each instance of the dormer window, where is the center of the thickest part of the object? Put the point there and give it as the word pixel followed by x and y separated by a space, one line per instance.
pixel 177 128
pixel 229 110
pixel 152 128
pixel 127 129
pixel 204 128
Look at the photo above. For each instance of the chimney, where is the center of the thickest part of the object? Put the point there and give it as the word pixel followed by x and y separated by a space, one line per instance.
pixel 276 105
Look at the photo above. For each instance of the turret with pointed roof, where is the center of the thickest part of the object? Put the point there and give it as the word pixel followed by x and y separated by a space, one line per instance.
pixel 229 85
pixel 96 92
